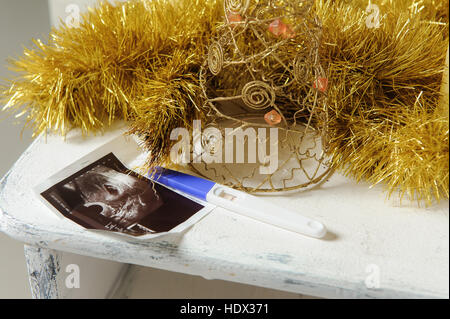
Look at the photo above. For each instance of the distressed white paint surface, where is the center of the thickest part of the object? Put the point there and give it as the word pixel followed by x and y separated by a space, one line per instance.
pixel 43 267
pixel 409 245
pixel 56 275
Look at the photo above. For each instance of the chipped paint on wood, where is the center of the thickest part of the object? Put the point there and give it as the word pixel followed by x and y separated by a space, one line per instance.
pixel 43 268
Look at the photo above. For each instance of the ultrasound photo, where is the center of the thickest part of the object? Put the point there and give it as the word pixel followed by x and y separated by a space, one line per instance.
pixel 105 195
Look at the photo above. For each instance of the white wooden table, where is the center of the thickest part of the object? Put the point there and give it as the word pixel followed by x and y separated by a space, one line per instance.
pixel 374 248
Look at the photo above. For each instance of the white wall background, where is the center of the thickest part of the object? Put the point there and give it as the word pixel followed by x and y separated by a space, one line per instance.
pixel 20 21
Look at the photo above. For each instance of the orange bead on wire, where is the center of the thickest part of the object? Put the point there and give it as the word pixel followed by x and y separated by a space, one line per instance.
pixel 272 117
pixel 280 29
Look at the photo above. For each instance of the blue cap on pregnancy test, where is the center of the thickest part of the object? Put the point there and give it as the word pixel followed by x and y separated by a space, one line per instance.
pixel 188 184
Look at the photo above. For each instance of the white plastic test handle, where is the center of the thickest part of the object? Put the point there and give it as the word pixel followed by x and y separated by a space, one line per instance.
pixel 264 211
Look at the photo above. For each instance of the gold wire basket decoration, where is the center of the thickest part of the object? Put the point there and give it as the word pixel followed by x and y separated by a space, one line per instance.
pixel 263 71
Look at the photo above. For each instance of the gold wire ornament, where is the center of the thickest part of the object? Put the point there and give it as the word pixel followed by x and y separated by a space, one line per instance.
pixel 258 95
pixel 250 79
pixel 215 58
pixel 236 6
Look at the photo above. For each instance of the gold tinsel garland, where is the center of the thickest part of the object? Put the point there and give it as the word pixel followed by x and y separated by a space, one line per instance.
pixel 137 61
pixel 383 122
pixel 140 61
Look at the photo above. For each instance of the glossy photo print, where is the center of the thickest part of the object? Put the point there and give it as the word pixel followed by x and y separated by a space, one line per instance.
pixel 105 195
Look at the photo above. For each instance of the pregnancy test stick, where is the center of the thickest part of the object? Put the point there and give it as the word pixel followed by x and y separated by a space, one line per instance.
pixel 239 202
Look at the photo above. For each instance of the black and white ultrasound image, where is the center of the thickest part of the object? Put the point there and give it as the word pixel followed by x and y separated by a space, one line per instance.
pixel 105 195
